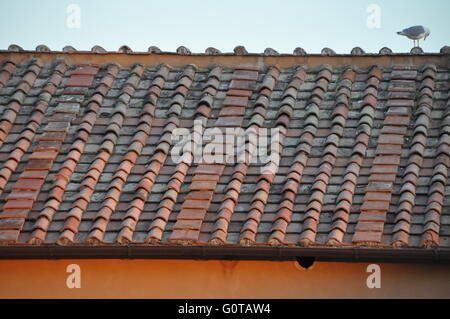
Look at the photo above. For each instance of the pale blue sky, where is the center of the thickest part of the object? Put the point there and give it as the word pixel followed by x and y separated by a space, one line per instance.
pixel 198 24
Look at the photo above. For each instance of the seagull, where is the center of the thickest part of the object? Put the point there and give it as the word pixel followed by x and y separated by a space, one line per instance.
pixel 415 33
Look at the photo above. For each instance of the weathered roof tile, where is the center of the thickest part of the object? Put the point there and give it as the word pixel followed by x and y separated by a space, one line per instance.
pixel 356 144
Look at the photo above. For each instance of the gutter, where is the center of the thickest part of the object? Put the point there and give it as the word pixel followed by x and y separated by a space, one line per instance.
pixel 336 254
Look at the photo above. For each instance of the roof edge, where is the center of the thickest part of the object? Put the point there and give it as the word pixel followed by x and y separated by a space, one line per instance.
pixel 230 60
pixel 336 254
pixel 238 50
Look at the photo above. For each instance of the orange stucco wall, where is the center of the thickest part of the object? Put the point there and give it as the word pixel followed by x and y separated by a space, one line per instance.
pixel 218 279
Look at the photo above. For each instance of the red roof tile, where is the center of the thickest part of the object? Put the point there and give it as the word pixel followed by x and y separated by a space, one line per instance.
pixel 86 155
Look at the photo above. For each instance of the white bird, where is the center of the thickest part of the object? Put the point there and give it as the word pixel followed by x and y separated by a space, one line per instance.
pixel 415 33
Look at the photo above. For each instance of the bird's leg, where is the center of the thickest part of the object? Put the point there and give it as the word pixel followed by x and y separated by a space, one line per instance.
pixel 418 43
pixel 414 43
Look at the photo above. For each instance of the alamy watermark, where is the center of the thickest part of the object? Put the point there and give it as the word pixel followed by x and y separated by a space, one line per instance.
pixel 73 19
pixel 374 279
pixel 228 145
pixel 74 279
pixel 373 20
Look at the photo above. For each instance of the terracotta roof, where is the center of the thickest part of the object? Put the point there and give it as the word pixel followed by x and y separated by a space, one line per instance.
pixel 85 153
